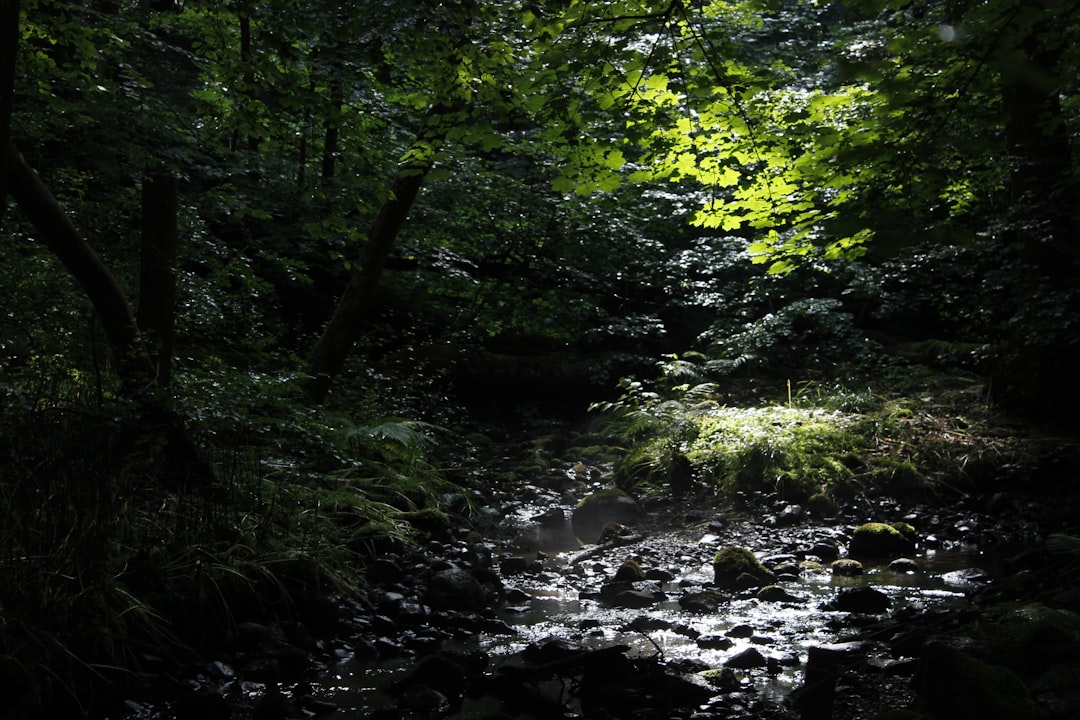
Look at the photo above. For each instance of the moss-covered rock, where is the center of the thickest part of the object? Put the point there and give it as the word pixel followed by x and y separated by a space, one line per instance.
pixel 953 684
pixel 738 568
pixel 604 506
pixel 876 540
pixel 846 567
pixel 629 571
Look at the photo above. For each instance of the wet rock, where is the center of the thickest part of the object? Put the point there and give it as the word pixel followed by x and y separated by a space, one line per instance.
pixel 723 679
pixel 846 567
pixel 703 601
pixel 438 672
pixel 659 575
pixel 860 600
pixel 776 593
pixel 714 642
pixel 428 701
pixel 904 565
pixel 825 551
pixel 876 539
pixel 203 704
pixel 611 505
pixel 741 631
pixel 273 705
pixel 954 684
pixel 738 568
pixel 456 589
pixel 513 565
pixel 629 571
pixel 262 670
pixel 747 659
pixel 790 515
pixel 629 595
pixel 966 578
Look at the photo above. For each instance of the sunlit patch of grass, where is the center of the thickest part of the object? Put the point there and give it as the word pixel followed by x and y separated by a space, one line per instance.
pixel 791 450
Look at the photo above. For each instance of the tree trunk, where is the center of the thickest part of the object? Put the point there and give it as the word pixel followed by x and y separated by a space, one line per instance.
pixel 9 41
pixel 157 277
pixel 354 307
pixel 333 122
pixel 57 232
pixel 1041 179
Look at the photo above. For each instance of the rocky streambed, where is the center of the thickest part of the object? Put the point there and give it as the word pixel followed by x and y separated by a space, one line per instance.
pixel 541 606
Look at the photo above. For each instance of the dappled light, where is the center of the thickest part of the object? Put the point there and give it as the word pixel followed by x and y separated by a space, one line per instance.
pixel 560 359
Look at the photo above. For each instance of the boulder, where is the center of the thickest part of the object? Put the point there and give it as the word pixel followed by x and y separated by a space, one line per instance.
pixel 846 567
pixel 738 568
pixel 860 600
pixel 602 507
pixel 876 540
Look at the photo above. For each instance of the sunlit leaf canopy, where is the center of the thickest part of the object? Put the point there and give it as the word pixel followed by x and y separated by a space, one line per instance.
pixel 808 127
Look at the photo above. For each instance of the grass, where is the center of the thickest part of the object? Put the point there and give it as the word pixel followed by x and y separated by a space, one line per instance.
pixel 908 435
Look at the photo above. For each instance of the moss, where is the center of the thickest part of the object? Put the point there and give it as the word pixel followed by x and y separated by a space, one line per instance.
pixel 606 493
pixel 431 522
pixel 877 539
pixel 629 571
pixel 738 567
pixel 907 530
pixel 846 567
pixel 796 451
pixel 956 685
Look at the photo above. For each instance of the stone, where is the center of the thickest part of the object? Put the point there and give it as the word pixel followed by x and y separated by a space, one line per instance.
pixel 455 589
pixel 776 593
pixel 951 683
pixel 860 600
pixel 878 540
pixel 749 658
pixel 714 642
pixel 606 506
pixel 738 568
pixel 513 565
pixel 702 601
pixel 904 565
pixel 846 567
pixel 629 571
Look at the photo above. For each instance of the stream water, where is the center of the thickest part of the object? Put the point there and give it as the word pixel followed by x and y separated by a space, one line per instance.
pixel 557 599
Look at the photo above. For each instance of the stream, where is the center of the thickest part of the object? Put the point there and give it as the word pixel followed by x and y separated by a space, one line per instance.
pixel 555 590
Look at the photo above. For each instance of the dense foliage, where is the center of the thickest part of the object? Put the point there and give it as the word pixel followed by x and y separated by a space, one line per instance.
pixel 428 205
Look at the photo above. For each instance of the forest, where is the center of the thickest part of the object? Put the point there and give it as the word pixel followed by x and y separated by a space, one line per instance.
pixel 321 319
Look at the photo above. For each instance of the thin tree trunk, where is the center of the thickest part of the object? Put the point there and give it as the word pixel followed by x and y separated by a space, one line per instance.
pixel 9 42
pixel 354 307
pixel 58 233
pixel 157 278
pixel 333 121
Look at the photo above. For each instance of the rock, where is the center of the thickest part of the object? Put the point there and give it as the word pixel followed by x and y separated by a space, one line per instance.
pixel 203 704
pixel 860 600
pixel 714 642
pixel 513 565
pixel 629 571
pixel 600 508
pixel 846 567
pixel 874 540
pixel 776 593
pixel 633 598
pixel 262 670
pixel 437 672
pixel 966 578
pixel 738 568
pixel 904 565
pixel 954 684
pixel 748 658
pixel 703 601
pixel 456 589
pixel 741 631
pixel 825 551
